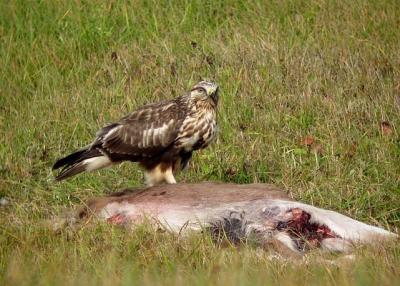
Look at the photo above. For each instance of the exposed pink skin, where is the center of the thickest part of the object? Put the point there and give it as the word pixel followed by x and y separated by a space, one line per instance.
pixel 239 211
pixel 118 219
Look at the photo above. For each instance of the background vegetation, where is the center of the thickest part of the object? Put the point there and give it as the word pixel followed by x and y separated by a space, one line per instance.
pixel 310 102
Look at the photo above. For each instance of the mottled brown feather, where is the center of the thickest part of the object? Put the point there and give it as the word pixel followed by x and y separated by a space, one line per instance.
pixel 146 132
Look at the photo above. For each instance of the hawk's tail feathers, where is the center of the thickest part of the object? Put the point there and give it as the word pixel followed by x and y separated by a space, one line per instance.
pixel 70 159
pixel 80 161
pixel 70 171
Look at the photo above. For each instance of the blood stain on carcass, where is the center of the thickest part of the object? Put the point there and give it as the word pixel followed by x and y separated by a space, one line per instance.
pixel 306 234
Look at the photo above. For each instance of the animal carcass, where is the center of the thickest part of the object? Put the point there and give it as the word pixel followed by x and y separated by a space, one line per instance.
pixel 236 212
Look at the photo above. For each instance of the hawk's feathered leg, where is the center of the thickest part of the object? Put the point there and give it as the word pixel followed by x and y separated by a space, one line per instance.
pixel 160 174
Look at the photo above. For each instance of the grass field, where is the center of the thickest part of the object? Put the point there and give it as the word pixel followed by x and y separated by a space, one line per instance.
pixel 310 101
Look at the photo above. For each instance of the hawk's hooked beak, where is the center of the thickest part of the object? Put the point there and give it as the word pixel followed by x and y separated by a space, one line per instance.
pixel 214 95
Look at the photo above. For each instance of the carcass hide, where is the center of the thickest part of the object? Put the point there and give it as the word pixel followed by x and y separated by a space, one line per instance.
pixel 236 212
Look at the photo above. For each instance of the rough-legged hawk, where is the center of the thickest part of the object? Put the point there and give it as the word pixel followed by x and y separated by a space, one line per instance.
pixel 160 136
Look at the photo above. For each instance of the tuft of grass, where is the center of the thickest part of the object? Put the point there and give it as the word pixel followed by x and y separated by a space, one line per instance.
pixel 310 101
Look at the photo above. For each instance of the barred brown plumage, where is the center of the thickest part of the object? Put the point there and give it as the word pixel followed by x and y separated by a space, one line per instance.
pixel 160 136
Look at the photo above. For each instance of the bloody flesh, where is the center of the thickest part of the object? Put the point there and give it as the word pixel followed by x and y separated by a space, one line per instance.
pixel 306 234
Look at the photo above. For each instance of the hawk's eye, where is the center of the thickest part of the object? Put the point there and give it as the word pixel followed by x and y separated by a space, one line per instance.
pixel 200 89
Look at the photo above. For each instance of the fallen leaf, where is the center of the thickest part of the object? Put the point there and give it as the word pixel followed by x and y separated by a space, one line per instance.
pixel 308 141
pixel 386 128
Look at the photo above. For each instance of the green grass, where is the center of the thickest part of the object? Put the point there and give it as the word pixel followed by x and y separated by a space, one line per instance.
pixel 287 70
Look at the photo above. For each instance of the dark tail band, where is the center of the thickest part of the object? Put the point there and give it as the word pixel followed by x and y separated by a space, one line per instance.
pixel 73 164
pixel 70 159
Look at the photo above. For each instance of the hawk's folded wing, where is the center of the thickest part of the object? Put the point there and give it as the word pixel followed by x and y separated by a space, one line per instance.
pixel 145 132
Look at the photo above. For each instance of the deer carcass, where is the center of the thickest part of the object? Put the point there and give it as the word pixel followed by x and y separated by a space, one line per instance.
pixel 236 212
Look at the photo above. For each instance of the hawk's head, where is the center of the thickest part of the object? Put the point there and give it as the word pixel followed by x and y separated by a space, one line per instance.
pixel 206 88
